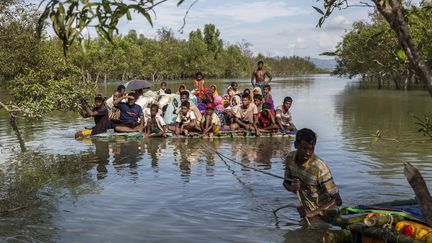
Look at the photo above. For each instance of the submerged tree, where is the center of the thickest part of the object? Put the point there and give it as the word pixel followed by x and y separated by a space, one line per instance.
pixel 395 13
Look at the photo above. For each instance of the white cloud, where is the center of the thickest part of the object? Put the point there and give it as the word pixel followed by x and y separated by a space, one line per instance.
pixel 253 12
pixel 338 23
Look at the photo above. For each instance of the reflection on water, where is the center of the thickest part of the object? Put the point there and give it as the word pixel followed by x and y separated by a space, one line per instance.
pixel 178 189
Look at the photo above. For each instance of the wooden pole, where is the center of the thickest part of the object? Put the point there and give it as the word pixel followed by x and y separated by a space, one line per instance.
pixel 423 197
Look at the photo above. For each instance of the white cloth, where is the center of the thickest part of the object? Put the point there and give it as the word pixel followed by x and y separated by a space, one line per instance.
pixel 185 119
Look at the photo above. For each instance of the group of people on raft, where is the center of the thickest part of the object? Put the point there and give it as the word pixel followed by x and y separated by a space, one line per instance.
pixel 200 111
pixel 204 111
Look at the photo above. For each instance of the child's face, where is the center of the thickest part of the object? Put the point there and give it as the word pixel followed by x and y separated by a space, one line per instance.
pixel 304 150
pixel 213 89
pixel 184 110
pixel 231 92
pixel 235 86
pixel 131 101
pixel 246 101
pixel 234 102
pixel 199 77
pixel 257 102
pixel 163 86
pixel 266 90
pixel 265 112
pixel 209 112
pixel 255 92
pixel 287 105
pixel 154 111
pixel 116 95
pixel 98 103
pixel 184 98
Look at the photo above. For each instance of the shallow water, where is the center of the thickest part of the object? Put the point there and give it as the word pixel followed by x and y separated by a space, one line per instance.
pixel 178 190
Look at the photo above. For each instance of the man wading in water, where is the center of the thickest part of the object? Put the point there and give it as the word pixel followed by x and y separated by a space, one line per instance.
pixel 311 177
pixel 259 76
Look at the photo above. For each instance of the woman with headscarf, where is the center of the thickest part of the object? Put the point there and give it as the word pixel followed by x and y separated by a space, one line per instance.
pixel 235 103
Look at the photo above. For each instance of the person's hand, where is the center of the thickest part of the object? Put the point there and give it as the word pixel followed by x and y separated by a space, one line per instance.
pixel 258 133
pixel 295 185
pixel 306 213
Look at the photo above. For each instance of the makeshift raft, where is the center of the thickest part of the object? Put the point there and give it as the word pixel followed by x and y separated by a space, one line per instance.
pixel 400 221
pixel 224 134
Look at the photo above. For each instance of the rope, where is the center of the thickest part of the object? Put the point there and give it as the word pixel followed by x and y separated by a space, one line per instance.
pixel 248 167
pixel 221 156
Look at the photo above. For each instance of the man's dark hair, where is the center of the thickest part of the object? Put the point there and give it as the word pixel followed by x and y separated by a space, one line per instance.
pixel 99 97
pixel 246 96
pixel 267 86
pixel 199 73
pixel 154 106
pixel 288 99
pixel 168 91
pixel 186 104
pixel 133 94
pixel 248 90
pixel 234 84
pixel 266 106
pixel 164 83
pixel 258 97
pixel 260 62
pixel 184 93
pixel 306 135
pixel 120 87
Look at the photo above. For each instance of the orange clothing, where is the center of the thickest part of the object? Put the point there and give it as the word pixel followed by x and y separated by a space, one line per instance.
pixel 199 85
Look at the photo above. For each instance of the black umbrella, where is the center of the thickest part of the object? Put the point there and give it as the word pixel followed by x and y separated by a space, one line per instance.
pixel 138 84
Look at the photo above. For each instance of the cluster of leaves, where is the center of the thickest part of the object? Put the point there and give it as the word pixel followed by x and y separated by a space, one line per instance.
pixel 371 49
pixel 70 17
pixel 425 125
pixel 38 78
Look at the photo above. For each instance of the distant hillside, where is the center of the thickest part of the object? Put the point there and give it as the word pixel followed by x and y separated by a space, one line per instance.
pixel 328 64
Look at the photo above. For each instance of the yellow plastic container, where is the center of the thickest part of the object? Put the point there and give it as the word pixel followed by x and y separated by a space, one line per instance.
pixel 419 231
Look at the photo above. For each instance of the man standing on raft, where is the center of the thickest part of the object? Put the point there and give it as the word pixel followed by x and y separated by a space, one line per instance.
pixel 259 76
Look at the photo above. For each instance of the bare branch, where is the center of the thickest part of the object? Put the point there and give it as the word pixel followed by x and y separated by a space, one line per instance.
pixel 184 17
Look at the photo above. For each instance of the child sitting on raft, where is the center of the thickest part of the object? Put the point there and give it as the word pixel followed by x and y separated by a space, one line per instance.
pixel 247 115
pixel 283 116
pixel 210 123
pixel 266 120
pixel 198 83
pixel 155 124
pixel 258 101
pixel 186 120
pixel 268 98
pixel 229 120
pixel 100 114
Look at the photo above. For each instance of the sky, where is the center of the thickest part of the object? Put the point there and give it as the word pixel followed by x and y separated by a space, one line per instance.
pixel 273 27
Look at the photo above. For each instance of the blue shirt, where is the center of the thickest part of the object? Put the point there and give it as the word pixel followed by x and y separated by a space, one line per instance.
pixel 129 113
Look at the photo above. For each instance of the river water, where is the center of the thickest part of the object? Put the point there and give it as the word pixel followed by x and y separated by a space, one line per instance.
pixel 177 190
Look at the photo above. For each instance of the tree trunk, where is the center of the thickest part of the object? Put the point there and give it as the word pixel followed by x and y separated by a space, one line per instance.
pixel 393 13
pixel 423 197
pixel 17 132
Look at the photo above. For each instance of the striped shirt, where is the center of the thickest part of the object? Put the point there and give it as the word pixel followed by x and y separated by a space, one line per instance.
pixel 317 184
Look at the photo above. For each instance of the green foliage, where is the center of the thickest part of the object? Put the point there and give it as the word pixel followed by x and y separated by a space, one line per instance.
pixel 38 92
pixel 134 56
pixel 70 17
pixel 371 49
pixel 425 125
pixel 38 77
